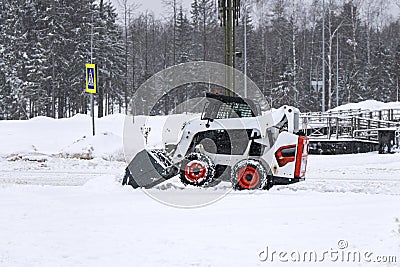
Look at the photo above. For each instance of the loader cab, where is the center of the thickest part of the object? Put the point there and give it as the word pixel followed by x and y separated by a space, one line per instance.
pixel 219 141
pixel 229 107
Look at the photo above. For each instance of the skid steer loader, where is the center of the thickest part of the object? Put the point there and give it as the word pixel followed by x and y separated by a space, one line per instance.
pixel 232 141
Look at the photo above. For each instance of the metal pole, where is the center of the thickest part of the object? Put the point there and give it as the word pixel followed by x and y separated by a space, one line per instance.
pixel 229 10
pixel 337 69
pixel 245 50
pixel 323 55
pixel 91 62
pixel 230 54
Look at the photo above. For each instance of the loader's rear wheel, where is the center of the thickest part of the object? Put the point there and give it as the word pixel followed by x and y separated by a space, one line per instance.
pixel 197 170
pixel 248 175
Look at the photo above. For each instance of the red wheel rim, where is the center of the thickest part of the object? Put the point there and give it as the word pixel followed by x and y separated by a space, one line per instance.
pixel 195 171
pixel 248 177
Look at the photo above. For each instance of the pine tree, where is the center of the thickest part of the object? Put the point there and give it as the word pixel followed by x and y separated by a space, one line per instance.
pixel 381 76
pixel 195 16
pixel 280 54
pixel 351 52
pixel 12 56
pixel 205 14
pixel 183 40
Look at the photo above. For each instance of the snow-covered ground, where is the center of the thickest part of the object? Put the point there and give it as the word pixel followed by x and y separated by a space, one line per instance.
pixel 57 209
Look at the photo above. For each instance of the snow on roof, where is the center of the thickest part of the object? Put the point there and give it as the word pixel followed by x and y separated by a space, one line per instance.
pixel 368 105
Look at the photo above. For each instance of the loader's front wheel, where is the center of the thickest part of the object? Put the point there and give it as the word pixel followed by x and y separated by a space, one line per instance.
pixel 248 175
pixel 197 170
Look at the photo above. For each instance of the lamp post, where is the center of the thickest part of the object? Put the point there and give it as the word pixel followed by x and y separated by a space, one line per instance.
pixel 337 69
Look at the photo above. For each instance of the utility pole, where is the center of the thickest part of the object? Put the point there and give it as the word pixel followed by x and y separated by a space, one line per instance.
pixel 229 13
pixel 323 55
pixel 245 49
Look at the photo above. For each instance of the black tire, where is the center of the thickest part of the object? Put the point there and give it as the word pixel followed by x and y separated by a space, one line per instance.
pixel 248 175
pixel 197 170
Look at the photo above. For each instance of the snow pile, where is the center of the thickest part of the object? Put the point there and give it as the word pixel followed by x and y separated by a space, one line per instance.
pixel 71 137
pixel 106 145
pixel 368 105
pixel 162 130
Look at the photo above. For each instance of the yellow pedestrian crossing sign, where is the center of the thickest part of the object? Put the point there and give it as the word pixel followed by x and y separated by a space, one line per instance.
pixel 91 78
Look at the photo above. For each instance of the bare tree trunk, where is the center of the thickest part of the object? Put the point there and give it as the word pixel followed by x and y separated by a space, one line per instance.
pixel 125 6
pixel 146 49
pixel 133 60
pixel 312 55
pixel 53 90
pixel 332 34
pixel 294 55
pixel 204 34
pixel 174 42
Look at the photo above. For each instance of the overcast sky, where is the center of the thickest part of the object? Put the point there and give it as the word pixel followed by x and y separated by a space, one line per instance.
pixel 160 10
pixel 155 6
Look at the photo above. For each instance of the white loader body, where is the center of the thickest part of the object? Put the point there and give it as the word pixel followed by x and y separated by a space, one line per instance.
pixel 228 142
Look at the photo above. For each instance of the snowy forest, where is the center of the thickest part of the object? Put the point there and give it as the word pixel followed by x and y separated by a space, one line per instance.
pixel 44 45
